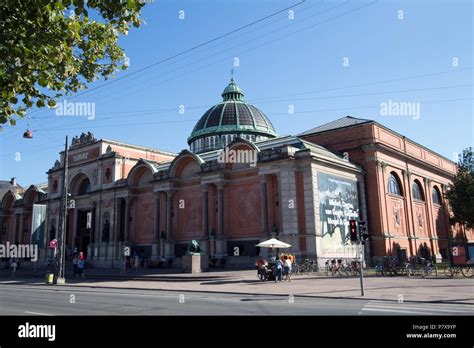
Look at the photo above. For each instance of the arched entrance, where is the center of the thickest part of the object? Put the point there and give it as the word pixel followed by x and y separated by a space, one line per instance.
pixel 80 188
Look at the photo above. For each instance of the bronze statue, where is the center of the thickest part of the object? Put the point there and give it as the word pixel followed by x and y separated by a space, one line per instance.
pixel 193 248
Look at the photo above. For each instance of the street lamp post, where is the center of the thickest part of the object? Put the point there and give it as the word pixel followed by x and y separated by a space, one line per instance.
pixel 60 279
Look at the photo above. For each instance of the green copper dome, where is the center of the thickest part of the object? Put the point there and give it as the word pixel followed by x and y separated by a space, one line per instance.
pixel 231 118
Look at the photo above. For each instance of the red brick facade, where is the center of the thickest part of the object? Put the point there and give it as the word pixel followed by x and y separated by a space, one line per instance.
pixel 399 223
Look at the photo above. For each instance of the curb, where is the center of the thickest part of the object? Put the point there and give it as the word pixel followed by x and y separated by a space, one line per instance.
pixel 258 294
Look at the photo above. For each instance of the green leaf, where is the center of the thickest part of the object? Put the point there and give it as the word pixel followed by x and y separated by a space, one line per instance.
pixel 51 103
pixel 42 81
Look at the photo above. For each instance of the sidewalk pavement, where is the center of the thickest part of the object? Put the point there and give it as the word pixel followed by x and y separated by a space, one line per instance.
pixel 245 282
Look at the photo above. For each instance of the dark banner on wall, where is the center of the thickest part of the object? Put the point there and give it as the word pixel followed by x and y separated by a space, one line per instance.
pixel 338 204
pixel 38 224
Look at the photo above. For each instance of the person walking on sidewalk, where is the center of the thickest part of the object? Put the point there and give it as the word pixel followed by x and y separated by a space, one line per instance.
pixel 13 266
pixel 142 260
pixel 278 270
pixel 123 269
pixel 136 261
pixel 80 268
pixel 287 265
pixel 75 259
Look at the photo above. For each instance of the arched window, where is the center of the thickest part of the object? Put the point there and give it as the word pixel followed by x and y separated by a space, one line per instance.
pixel 84 187
pixel 436 196
pixel 416 191
pixel 394 185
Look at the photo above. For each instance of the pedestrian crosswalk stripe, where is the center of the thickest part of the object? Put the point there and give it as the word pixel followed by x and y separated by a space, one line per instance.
pixel 419 308
pixel 400 306
pixel 395 311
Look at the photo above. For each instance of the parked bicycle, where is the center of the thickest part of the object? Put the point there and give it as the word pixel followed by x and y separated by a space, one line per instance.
pixel 307 266
pixel 466 271
pixel 334 267
pixel 354 267
pixel 391 266
pixel 427 267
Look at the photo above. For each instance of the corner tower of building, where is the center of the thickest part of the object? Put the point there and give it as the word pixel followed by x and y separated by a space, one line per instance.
pixel 231 118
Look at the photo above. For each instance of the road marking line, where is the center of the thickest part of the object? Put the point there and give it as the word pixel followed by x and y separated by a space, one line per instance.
pixel 37 313
pixel 421 308
pixel 466 307
pixel 396 311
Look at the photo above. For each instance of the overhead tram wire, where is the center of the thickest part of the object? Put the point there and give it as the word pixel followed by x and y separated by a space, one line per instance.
pixel 212 41
pixel 264 100
pixel 153 112
pixel 189 50
pixel 381 81
pixel 232 47
pixel 186 51
pixel 252 48
pixel 140 86
pixel 140 83
pixel 366 84
pixel 245 51
pixel 252 31
pixel 290 34
pixel 275 114
pixel 140 112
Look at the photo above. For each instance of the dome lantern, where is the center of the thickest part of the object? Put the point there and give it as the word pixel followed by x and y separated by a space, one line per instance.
pixel 232 92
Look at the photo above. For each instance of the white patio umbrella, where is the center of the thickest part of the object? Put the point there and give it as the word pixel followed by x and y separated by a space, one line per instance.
pixel 273 243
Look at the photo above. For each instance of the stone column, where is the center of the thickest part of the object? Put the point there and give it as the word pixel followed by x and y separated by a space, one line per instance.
pixel 434 243
pixel 1 228
pixel 288 206
pixel 157 215
pixel 264 205
pixel 169 214
pixel 205 210
pixel 313 226
pixel 220 209
pixel 447 225
pixel 95 225
pixel 381 172
pixel 116 243
pixel 74 228
pixel 409 215
pixel 127 220
pixel 19 236
pixel 221 241
pixel 155 244
pixel 169 245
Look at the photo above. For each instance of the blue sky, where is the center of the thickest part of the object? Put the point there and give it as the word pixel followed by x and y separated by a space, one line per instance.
pixel 423 54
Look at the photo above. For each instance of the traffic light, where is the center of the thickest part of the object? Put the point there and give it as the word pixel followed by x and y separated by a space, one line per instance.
pixel 353 230
pixel 364 234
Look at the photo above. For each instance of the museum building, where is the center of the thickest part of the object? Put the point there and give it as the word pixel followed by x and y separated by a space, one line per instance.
pixel 300 189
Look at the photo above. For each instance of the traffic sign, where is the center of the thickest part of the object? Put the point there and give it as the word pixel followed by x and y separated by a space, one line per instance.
pixel 53 243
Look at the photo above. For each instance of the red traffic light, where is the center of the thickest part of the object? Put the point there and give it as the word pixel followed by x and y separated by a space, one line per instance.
pixel 353 230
